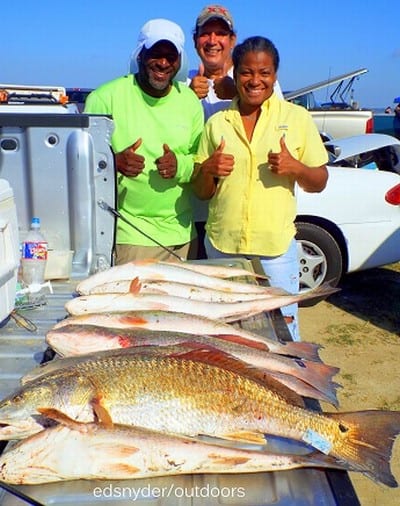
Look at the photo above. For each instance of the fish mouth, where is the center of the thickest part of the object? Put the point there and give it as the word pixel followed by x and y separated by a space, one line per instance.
pixel 20 429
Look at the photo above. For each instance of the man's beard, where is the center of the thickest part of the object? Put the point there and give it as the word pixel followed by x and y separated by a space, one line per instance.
pixel 158 85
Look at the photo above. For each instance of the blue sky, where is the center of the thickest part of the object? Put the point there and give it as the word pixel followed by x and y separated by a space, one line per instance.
pixel 85 43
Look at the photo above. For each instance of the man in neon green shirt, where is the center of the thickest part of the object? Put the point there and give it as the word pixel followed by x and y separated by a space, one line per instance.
pixel 158 122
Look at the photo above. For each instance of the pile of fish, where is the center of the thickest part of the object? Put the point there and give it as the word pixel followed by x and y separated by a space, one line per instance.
pixel 150 369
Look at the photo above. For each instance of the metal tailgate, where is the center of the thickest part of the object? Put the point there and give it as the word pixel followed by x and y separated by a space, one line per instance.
pixel 21 350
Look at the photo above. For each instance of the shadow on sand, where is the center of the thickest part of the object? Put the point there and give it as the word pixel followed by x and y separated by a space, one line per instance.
pixel 372 295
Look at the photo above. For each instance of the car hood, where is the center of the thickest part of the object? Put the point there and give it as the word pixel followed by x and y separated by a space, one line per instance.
pixel 352 146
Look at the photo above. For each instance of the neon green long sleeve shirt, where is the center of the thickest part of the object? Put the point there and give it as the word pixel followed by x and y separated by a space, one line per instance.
pixel 159 207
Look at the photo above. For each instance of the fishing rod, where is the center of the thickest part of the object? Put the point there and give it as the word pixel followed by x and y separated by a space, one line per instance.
pixel 106 207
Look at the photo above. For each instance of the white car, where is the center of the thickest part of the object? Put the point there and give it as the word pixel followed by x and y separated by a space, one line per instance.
pixel 354 224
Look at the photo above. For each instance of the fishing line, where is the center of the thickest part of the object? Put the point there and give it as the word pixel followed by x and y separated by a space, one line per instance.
pixel 107 207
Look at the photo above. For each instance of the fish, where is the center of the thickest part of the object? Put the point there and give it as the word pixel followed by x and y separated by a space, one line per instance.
pixel 73 450
pixel 163 271
pixel 198 392
pixel 226 311
pixel 192 324
pixel 219 271
pixel 182 290
pixel 315 378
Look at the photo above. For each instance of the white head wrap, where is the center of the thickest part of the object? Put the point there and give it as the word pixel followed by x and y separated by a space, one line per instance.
pixel 161 29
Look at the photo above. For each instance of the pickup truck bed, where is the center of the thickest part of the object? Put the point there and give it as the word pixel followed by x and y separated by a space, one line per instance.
pixel 21 351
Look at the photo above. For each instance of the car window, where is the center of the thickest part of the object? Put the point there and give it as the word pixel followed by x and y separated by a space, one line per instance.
pixel 388 159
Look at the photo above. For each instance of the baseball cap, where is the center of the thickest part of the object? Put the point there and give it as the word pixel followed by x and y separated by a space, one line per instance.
pixel 161 29
pixel 214 12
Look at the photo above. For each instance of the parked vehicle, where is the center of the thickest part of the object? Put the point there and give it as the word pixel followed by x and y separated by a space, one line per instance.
pixel 78 96
pixel 15 98
pixel 354 224
pixel 339 117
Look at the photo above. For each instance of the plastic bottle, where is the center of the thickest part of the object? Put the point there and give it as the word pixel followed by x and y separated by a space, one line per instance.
pixel 34 255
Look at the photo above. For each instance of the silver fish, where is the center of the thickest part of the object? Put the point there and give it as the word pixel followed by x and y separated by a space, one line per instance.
pixel 94 451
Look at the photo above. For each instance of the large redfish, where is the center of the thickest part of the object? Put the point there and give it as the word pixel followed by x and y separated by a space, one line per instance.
pixel 314 379
pixel 190 394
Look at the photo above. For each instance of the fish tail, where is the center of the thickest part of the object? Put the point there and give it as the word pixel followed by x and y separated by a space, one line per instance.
pixel 318 375
pixel 319 293
pixel 369 442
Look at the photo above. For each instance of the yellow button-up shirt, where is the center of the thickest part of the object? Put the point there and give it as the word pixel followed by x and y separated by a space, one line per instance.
pixel 253 210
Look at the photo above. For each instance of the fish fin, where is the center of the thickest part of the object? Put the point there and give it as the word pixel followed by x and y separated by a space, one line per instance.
pixel 135 286
pixel 316 374
pixel 320 459
pixel 210 355
pixel 242 340
pixel 228 461
pixel 63 419
pixel 305 389
pixel 245 437
pixel 101 411
pixel 368 441
pixel 133 320
pixel 116 451
pixel 119 469
pixel 301 349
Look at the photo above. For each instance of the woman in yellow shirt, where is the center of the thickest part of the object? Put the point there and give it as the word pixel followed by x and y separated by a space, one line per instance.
pixel 250 157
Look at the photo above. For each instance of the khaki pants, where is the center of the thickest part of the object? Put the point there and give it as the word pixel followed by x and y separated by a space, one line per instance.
pixel 126 252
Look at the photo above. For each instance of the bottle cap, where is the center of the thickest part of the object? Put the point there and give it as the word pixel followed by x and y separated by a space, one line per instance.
pixel 35 223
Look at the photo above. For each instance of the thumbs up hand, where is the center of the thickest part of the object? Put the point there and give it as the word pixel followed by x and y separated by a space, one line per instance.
pixel 219 164
pixel 199 83
pixel 282 163
pixel 225 88
pixel 167 163
pixel 128 162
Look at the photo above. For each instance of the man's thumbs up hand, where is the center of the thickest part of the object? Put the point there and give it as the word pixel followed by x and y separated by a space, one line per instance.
pixel 167 163
pixel 128 162
pixel 199 83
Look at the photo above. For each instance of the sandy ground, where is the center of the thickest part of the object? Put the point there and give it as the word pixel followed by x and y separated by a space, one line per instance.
pixel 359 328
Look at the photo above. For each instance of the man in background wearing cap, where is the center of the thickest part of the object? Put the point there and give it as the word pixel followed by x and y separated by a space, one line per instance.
pixel 214 38
pixel 158 122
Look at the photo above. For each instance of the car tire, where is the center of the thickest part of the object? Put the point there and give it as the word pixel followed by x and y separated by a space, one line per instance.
pixel 320 257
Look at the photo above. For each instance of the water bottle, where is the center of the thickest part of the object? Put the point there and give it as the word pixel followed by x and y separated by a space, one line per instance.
pixel 34 255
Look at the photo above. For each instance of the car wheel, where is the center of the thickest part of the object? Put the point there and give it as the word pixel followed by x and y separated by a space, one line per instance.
pixel 320 258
